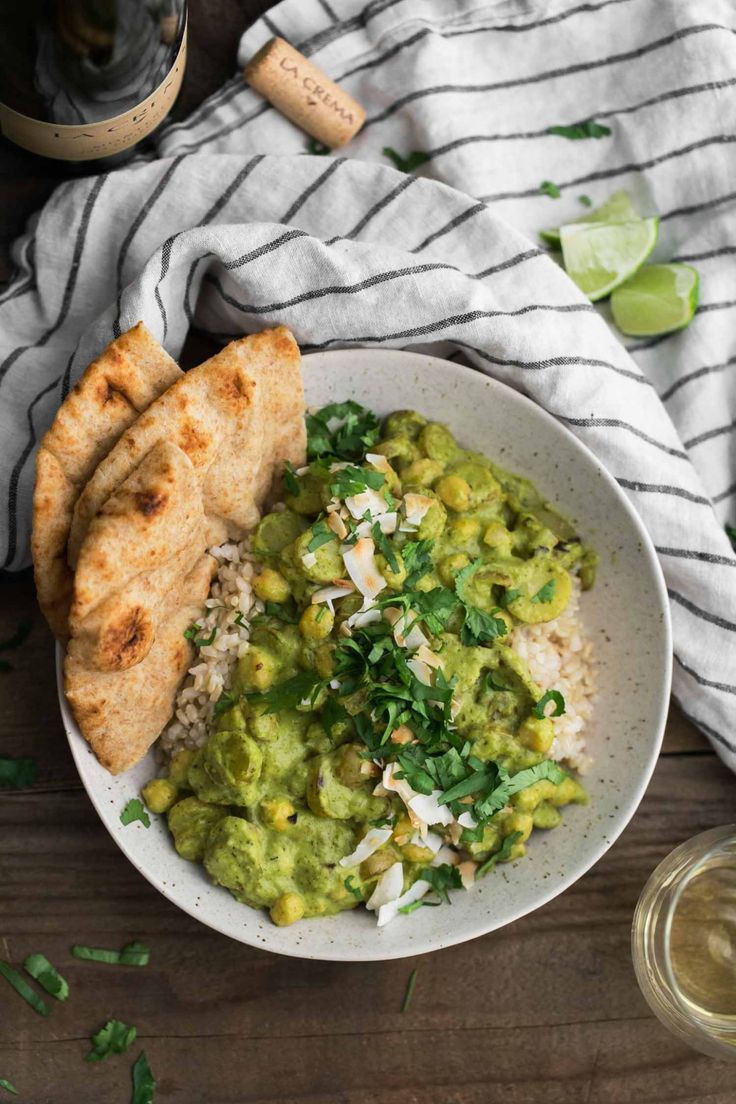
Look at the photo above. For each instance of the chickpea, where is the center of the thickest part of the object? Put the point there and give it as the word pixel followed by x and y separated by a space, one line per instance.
pixel 258 668
pixel 464 529
pixel 570 792
pixel 422 473
pixel 406 423
pixel 324 660
pixel 271 586
pixel 451 565
pixel 537 733
pixel 403 830
pixel 394 579
pixel 520 822
pixel 349 766
pixel 316 622
pixel 528 799
pixel 327 564
pixel 159 795
pixel 287 909
pixel 277 811
pixel 546 816
pixel 376 863
pixel 497 536
pixel 412 852
pixel 433 522
pixel 179 767
pixel 398 449
pixel 455 492
pixel 437 442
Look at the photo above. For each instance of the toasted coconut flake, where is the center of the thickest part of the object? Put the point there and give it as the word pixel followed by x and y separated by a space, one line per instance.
pixel 309 559
pixel 371 841
pixel 421 671
pixel 388 887
pixel 328 594
pixel 428 808
pixel 337 525
pixel 365 615
pixel 402 735
pixel 387 522
pixel 467 820
pixel 368 500
pixel 414 638
pixel 390 911
pixel 361 567
pixel 431 840
pixel 446 855
pixel 428 656
pixel 467 871
pixel 302 471
pixel 379 462
pixel 416 506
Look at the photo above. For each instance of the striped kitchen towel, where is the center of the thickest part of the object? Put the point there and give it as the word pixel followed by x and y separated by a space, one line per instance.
pixel 234 227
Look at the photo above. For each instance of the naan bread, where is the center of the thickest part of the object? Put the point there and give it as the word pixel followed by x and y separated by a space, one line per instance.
pixel 144 540
pixel 131 372
pixel 237 417
pixel 121 713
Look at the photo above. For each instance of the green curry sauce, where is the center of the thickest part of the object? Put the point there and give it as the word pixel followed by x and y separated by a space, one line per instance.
pixel 353 700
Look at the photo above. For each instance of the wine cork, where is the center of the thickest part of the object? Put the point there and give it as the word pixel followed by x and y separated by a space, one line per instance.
pixel 304 94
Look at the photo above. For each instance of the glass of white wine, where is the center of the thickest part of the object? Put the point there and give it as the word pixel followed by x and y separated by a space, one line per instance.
pixel 684 942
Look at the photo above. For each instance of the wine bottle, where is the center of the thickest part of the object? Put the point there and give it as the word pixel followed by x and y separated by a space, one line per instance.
pixel 82 80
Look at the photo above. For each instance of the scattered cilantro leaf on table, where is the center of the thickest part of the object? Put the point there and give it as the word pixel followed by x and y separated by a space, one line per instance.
pixel 406 164
pixel 144 1084
pixel 47 976
pixel 114 1038
pixel 585 200
pixel 135 810
pixel 16 774
pixel 411 983
pixel 549 189
pixel 132 954
pixel 317 148
pixel 578 131
pixel 23 989
pixel 5 1084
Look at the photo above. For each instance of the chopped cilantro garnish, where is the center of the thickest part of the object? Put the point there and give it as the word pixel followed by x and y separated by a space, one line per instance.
pixel 352 480
pixel 344 431
pixel 384 546
pixel 224 702
pixel 502 855
pixel 320 614
pixel 417 560
pixel 491 682
pixel 321 534
pixel 47 976
pixel 205 641
pixel 191 632
pixel 434 607
pixel 289 694
pixel 551 696
pixel 414 905
pixel 409 986
pixel 291 479
pixel 588 129
pixel 279 611
pixel 549 189
pixel 317 148
pixel 22 987
pixel 406 164
pixel 480 627
pixel 135 810
pixel 240 620
pixel 441 878
pixel 114 1038
pixel 5 1084
pixel 510 595
pixel 527 777
pixel 16 774
pixel 132 954
pixel 546 593
pixel 144 1084
pixel 585 200
pixel 352 887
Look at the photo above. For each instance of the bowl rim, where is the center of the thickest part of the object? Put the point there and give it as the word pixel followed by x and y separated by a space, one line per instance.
pixel 331 951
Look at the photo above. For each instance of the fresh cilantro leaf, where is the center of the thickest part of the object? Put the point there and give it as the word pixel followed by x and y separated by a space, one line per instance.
pixel 240 620
pixel 588 129
pixel 480 627
pixel 289 694
pixel 509 595
pixel 17 774
pixel 414 905
pixel 546 593
pixel 352 887
pixel 546 769
pixel 132 954
pixel 191 632
pixel 205 641
pixel 321 534
pixel 441 878
pixel 551 696
pixel 731 534
pixel 343 431
pixel 333 712
pixel 352 480
pixel 585 200
pixel 22 987
pixel 549 189
pixel 5 1084
pixel 462 578
pixel 406 164
pixel 144 1084
pixel 409 987
pixel 417 560
pixel 470 785
pixel 491 683
pixel 473 835
pixel 502 855
pixel 224 702
pixel 434 607
pixel 47 976
pixel 133 811
pixel 291 479
pixel 385 547
pixel 19 637
pixel 279 611
pixel 317 148
pixel 114 1038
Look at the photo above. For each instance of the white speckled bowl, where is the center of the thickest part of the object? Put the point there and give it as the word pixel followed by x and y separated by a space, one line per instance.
pixel 626 615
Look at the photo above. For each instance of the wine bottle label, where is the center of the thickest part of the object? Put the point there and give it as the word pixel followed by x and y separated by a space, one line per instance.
pixel 98 139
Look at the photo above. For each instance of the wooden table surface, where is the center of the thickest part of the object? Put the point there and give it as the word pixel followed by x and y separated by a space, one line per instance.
pixel 546 1011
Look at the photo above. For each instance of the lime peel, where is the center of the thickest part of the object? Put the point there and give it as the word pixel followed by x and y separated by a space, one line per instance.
pixel 599 256
pixel 658 299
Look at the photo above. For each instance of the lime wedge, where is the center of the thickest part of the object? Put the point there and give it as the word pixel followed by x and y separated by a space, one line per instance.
pixel 598 256
pixel 656 300
pixel 617 208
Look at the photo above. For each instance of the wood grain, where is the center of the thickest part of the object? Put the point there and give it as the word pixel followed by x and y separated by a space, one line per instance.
pixel 546 1011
